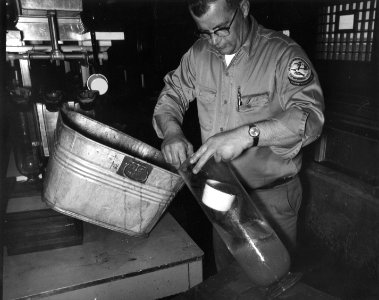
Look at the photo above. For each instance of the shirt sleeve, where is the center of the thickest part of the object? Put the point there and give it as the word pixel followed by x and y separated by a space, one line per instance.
pixel 178 92
pixel 301 99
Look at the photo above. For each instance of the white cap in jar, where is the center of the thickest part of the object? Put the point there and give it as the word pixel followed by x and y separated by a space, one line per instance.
pixel 215 198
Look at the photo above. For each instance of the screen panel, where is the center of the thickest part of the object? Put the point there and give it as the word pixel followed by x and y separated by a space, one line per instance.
pixel 346 31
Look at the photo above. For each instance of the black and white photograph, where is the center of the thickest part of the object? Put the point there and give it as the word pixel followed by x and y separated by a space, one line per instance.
pixel 189 150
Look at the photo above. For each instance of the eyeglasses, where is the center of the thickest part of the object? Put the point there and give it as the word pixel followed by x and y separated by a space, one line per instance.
pixel 220 32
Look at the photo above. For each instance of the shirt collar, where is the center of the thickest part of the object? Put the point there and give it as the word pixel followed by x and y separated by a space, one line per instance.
pixel 250 43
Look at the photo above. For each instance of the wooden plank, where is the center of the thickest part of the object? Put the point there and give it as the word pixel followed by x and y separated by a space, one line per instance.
pixel 105 256
pixel 41 233
pixel 195 273
pixel 152 285
pixel 19 189
pixel 27 203
pixel 30 225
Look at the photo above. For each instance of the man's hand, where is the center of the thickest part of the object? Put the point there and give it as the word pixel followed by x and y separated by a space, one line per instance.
pixel 223 146
pixel 176 149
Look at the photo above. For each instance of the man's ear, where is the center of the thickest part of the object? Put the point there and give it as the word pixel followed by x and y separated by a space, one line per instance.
pixel 245 7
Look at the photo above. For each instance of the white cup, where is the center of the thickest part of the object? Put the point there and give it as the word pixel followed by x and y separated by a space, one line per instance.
pixel 216 199
pixel 97 82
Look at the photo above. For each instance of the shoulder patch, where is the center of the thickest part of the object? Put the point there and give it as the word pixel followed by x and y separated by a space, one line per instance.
pixel 299 72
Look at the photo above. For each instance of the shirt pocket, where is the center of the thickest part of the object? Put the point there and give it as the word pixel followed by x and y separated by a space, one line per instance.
pixel 206 106
pixel 251 103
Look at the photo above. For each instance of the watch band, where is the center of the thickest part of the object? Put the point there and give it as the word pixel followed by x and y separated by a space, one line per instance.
pixel 255 141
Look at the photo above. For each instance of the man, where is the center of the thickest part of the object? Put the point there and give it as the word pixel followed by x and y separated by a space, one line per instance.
pixel 259 102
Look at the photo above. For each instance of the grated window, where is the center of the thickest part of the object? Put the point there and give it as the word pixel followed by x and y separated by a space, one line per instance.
pixel 346 31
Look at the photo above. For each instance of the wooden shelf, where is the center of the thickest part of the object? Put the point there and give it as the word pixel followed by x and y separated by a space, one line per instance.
pixel 109 265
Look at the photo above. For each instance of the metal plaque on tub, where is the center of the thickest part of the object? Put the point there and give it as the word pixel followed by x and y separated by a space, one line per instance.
pixel 134 169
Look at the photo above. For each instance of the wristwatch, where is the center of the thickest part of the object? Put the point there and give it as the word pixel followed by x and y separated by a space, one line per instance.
pixel 254 132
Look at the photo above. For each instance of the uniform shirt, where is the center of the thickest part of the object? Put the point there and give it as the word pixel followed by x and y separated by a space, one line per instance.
pixel 270 77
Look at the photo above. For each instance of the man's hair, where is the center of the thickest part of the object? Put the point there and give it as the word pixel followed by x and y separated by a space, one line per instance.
pixel 200 7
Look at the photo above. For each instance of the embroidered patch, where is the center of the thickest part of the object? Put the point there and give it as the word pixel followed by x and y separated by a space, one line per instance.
pixel 299 72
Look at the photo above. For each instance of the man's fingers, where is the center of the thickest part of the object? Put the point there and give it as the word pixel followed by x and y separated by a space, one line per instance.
pixel 201 162
pixel 167 154
pixel 198 154
pixel 178 154
pixel 176 149
pixel 217 157
pixel 189 150
pixel 182 156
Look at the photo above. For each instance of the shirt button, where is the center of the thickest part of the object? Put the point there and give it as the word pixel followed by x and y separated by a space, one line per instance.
pixel 221 129
pixel 225 102
pixel 227 73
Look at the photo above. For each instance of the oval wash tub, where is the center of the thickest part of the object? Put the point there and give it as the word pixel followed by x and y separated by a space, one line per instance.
pixel 103 176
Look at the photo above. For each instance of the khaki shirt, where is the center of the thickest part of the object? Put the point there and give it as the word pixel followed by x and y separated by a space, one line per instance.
pixel 270 77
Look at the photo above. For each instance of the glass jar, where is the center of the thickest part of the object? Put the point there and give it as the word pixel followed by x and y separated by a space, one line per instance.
pixel 25 134
pixel 240 224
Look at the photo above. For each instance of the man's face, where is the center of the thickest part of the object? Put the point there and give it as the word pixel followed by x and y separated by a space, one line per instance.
pixel 219 15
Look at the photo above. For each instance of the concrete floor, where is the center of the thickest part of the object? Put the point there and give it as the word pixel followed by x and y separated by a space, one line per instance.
pixel 324 272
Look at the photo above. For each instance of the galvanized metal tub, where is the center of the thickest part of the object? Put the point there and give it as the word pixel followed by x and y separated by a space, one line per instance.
pixel 103 176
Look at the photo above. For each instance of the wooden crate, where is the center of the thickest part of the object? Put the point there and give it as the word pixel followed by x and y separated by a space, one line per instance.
pixel 39 230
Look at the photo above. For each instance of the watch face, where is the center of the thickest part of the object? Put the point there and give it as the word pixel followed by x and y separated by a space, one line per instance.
pixel 254 131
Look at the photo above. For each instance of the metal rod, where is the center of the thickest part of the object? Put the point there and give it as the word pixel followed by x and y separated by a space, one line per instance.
pixel 53 28
pixel 50 56
pixel 46 48
pixel 25 73
pixel 95 50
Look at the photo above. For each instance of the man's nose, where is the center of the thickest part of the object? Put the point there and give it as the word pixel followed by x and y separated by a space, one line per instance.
pixel 213 39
